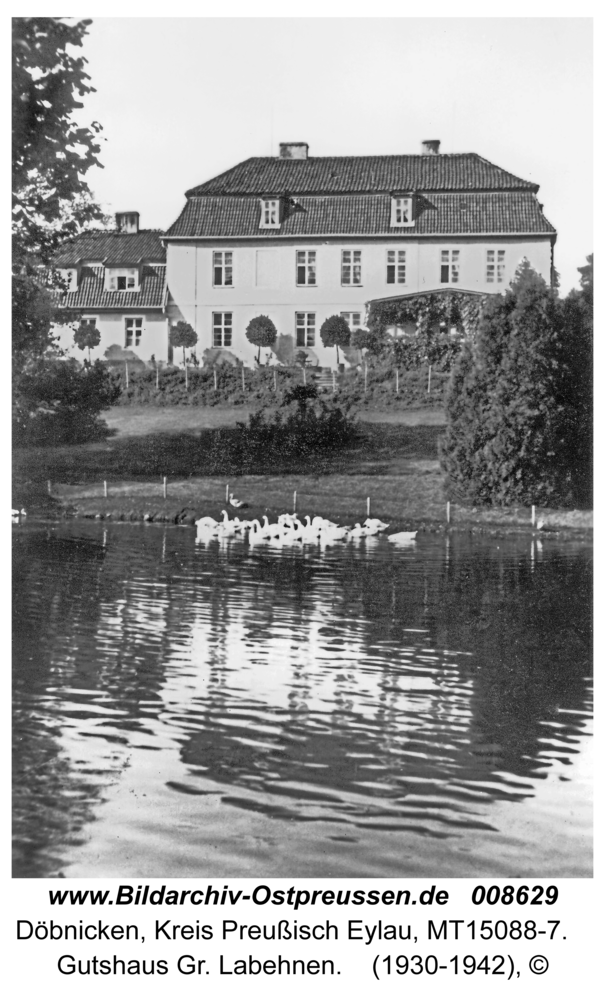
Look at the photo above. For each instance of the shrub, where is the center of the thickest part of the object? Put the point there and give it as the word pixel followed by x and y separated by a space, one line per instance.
pixel 261 332
pixel 59 402
pixel 183 335
pixel 87 336
pixel 335 332
pixel 295 435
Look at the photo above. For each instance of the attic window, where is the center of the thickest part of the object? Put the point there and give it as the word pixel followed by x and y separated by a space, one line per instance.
pixel 401 212
pixel 122 279
pixel 269 218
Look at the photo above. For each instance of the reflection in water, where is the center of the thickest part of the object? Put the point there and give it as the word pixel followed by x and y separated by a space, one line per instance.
pixel 393 700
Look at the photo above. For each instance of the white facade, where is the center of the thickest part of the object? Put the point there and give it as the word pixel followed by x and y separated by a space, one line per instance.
pixel 124 336
pixel 265 280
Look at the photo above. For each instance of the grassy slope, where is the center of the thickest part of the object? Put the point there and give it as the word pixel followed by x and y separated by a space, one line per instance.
pixel 394 462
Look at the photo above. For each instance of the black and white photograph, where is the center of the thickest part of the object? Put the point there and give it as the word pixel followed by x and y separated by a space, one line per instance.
pixel 302 395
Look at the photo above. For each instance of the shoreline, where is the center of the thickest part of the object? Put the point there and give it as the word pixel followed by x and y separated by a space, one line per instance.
pixel 190 500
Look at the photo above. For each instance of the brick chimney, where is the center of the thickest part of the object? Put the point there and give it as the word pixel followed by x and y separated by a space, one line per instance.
pixel 430 147
pixel 293 150
pixel 127 222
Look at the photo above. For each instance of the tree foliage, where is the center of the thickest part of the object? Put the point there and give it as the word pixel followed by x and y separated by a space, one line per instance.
pixel 262 332
pixel 335 332
pixel 183 335
pixel 512 404
pixel 51 202
pixel 51 153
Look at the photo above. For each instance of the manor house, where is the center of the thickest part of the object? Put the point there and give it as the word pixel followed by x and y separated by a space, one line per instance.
pixel 300 238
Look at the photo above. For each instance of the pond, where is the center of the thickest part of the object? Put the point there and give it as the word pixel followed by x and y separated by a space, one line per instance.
pixel 196 710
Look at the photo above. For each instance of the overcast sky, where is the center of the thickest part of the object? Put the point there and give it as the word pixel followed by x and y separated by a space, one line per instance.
pixel 182 99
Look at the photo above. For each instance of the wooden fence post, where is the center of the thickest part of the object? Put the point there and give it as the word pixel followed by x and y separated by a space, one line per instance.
pixel 295 501
pixel 448 512
pixel 157 376
pixel 126 363
pixel 165 487
pixel 243 380
pixel 186 377
pixel 429 385
pixel 365 380
pixel 215 380
pixel 333 382
pixel 368 506
pixel 397 381
pixel 227 493
pixel 105 488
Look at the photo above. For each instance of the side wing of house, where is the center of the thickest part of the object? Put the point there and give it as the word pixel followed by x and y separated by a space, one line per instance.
pixel 117 283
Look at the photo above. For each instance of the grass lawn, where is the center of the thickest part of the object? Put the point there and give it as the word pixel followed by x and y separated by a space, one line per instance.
pixel 140 420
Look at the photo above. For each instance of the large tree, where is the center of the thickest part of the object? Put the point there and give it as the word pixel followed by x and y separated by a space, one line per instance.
pixel 51 155
pixel 511 406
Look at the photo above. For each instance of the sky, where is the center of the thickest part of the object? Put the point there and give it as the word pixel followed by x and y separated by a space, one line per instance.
pixel 182 99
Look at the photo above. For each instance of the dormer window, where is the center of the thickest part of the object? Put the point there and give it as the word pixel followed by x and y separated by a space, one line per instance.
pixel 122 279
pixel 401 212
pixel 269 217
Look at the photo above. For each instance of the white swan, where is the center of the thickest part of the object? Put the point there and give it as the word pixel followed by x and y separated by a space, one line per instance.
pixel 358 531
pixel 403 537
pixel 206 522
pixel 237 503
pixel 373 522
pixel 334 534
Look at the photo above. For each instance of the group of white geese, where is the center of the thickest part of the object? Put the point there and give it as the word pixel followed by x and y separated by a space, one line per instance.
pixel 289 529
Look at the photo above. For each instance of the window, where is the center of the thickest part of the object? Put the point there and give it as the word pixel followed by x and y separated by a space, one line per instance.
pixel 222 263
pixel 352 319
pixel 401 212
pixel 222 329
pixel 88 321
pixel 134 330
pixel 450 267
pixel 395 267
pixel 495 267
pixel 351 267
pixel 122 279
pixel 269 216
pixel 305 329
pixel 306 271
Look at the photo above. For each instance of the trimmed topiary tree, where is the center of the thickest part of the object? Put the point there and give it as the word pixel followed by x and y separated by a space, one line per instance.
pixel 261 331
pixel 335 332
pixel 86 337
pixel 183 335
pixel 510 431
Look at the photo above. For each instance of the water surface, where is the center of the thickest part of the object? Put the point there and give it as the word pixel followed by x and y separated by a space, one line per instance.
pixel 216 710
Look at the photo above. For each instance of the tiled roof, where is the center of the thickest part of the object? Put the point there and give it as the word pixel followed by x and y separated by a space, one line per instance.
pixel 115 249
pixel 362 174
pixel 91 292
pixel 365 215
